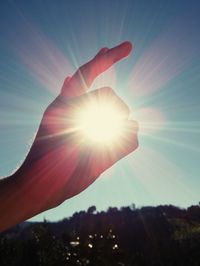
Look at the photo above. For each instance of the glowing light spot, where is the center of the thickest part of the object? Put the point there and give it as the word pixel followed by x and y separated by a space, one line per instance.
pixel 115 246
pixel 74 243
pixel 90 245
pixel 101 122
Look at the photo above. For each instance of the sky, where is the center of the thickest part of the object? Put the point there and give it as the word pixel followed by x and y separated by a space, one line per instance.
pixel 42 42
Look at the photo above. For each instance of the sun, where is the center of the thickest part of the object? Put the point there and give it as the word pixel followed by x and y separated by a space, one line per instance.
pixel 101 122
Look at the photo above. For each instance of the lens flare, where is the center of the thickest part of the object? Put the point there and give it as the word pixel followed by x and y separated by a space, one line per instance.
pixel 101 122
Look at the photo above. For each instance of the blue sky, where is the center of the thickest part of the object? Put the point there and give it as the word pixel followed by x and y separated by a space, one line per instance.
pixel 41 42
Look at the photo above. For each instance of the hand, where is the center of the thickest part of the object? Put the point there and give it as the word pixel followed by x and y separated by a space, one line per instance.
pixel 59 165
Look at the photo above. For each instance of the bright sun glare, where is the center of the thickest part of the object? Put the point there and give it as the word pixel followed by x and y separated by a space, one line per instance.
pixel 101 122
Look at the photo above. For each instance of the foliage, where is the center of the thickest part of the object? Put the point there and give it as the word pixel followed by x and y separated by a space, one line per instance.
pixel 163 235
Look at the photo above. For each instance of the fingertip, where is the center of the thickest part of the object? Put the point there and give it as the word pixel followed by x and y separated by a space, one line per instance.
pixel 127 46
pixel 120 51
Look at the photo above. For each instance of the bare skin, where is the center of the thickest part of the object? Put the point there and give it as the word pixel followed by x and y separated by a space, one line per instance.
pixel 58 165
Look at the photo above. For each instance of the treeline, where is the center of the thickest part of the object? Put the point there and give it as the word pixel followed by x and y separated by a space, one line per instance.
pixel 163 235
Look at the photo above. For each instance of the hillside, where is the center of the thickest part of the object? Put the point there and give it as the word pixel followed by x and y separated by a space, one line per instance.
pixel 163 235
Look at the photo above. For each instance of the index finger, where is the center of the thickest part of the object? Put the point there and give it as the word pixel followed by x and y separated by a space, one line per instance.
pixel 86 74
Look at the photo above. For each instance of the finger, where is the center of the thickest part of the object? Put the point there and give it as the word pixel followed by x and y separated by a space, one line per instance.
pixel 104 60
pixel 85 75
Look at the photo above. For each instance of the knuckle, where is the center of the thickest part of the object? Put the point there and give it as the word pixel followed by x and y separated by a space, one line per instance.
pixel 67 79
pixel 84 70
pixel 105 93
pixel 108 90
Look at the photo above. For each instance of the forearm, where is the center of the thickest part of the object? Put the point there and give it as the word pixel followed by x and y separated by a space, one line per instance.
pixel 17 204
pixel 30 191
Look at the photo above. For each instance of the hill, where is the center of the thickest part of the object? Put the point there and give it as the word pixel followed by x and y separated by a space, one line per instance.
pixel 162 235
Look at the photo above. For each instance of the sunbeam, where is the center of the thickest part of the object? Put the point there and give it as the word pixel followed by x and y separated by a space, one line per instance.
pixel 165 58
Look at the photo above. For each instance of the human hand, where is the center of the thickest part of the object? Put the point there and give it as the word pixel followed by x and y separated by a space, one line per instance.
pixel 59 164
